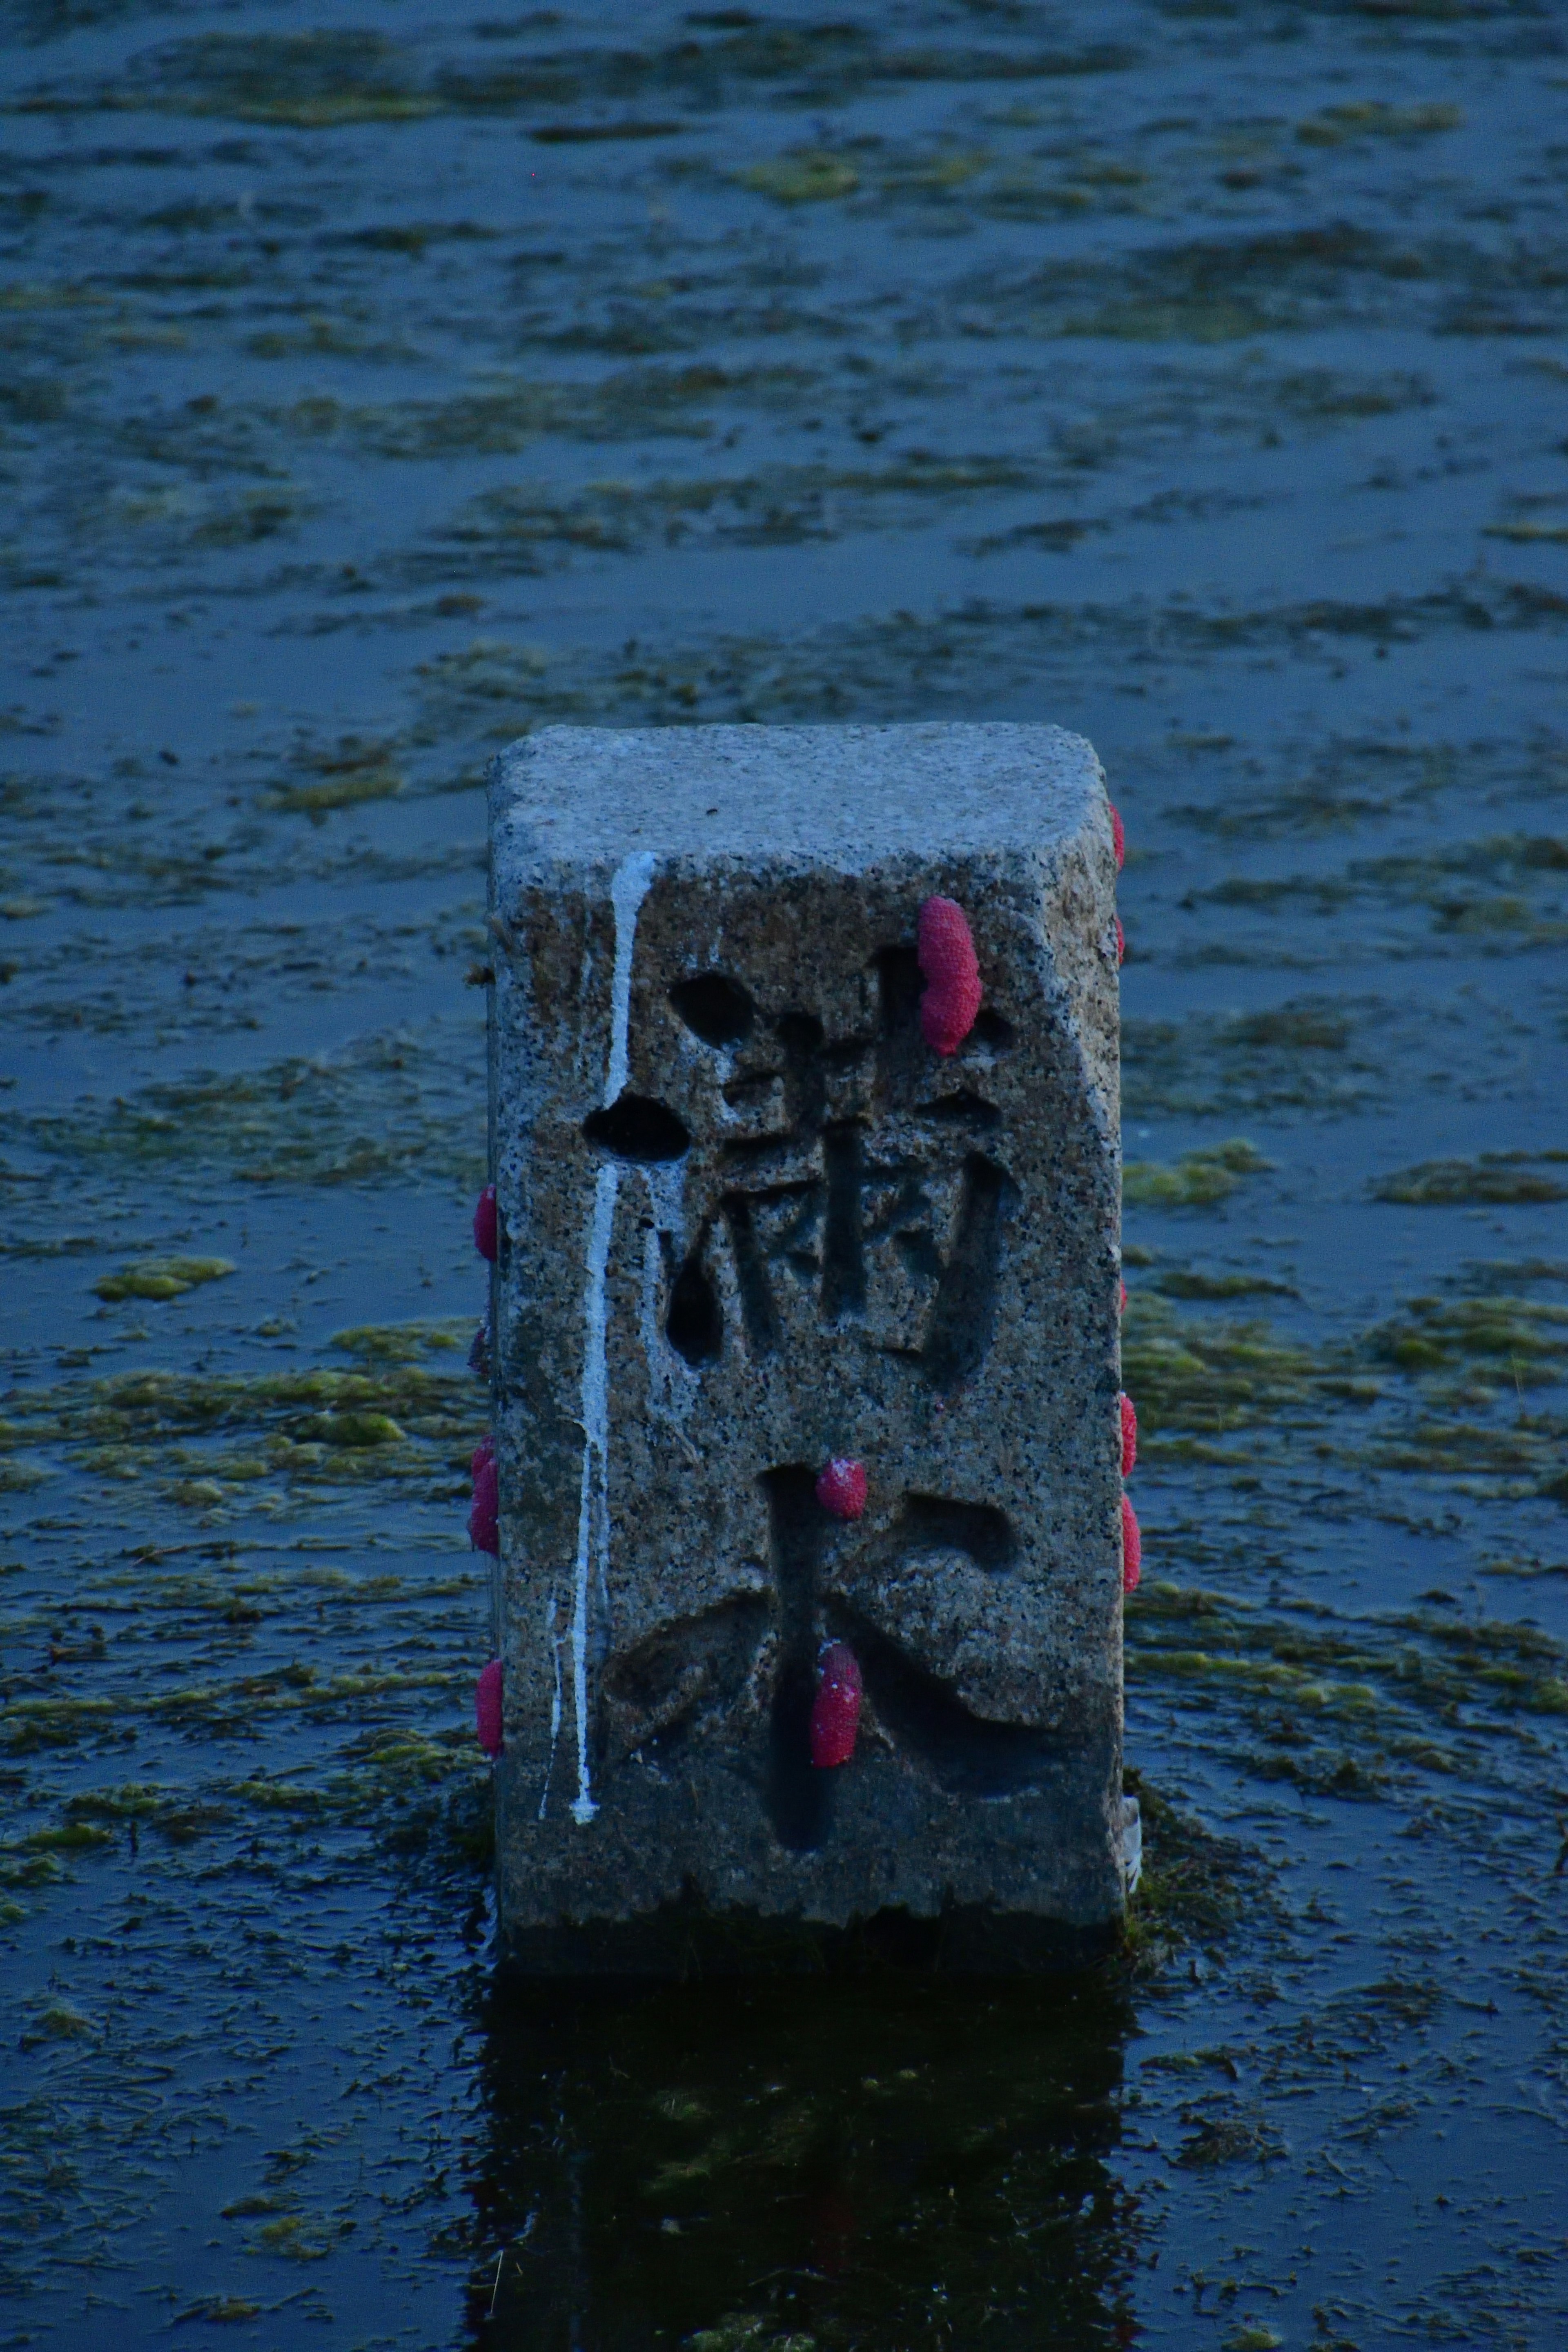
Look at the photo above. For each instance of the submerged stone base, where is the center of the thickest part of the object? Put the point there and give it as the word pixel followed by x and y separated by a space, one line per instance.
pixel 754 1221
pixel 684 1940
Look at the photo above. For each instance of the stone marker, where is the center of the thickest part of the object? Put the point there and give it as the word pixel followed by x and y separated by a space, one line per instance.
pixel 758 1237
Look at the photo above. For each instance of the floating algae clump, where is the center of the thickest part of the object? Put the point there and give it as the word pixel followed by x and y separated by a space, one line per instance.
pixel 351 1429
pixel 808 176
pixel 1193 1282
pixel 1502 1178
pixel 343 789
pixel 162 1277
pixel 1198 1375
pixel 1370 116
pixel 403 1343
pixel 1196 1180
pixel 59 2022
pixel 398 1420
pixel 1518 1341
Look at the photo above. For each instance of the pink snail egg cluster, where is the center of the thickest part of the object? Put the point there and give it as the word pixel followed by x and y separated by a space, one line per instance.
pixel 953 991
pixel 1119 845
pixel 1129 1434
pixel 836 1711
pixel 1132 1547
pixel 487 1224
pixel 488 1709
pixel 841 1487
pixel 484 1512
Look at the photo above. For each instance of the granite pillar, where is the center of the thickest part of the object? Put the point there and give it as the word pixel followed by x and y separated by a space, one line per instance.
pixel 752 1222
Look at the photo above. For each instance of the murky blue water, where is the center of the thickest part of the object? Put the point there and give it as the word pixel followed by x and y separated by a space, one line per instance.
pixel 376 385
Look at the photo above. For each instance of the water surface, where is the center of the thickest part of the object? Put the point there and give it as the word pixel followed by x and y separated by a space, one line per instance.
pixel 376 385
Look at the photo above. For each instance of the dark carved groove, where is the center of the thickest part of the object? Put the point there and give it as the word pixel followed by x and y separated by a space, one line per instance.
pixel 843 1241
pixel 757 1309
pixel 752 1087
pixel 902 1053
pixel 656 1692
pixel 993 1030
pixel 916 1245
pixel 806 1082
pixel 966 1296
pixel 964 1109
pixel 968 1755
pixel 695 1325
pixel 798 1796
pixel 798 1529
pixel 899 983
pixel 714 1007
pixel 930 1523
pixel 635 1126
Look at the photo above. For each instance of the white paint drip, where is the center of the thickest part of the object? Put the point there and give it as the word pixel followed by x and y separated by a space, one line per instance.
pixel 627 892
pixel 553 1642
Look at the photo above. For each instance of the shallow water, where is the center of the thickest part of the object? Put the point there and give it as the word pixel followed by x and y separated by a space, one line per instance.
pixel 374 387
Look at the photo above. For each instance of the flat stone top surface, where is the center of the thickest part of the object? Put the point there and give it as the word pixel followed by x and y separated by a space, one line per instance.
pixel 841 796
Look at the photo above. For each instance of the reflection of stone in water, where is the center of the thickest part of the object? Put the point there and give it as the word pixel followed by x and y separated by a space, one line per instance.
pixel 851 2160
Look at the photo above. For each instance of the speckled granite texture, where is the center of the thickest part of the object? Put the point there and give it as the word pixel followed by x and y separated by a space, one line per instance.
pixel 750 1220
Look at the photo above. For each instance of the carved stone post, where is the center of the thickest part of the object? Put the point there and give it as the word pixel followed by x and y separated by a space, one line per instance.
pixel 751 1223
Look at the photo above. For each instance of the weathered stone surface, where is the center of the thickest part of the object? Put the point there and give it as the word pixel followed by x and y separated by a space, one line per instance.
pixel 750 1221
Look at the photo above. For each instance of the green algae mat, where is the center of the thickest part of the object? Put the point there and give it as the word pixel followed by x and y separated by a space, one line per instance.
pixel 370 391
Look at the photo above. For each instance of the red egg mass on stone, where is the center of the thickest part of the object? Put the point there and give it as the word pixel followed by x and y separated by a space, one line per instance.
pixel 841 1488
pixel 1117 838
pixel 1129 1434
pixel 487 1227
pixel 484 1451
pixel 486 1710
pixel 952 995
pixel 1132 1547
pixel 836 1713
pixel 484 1515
